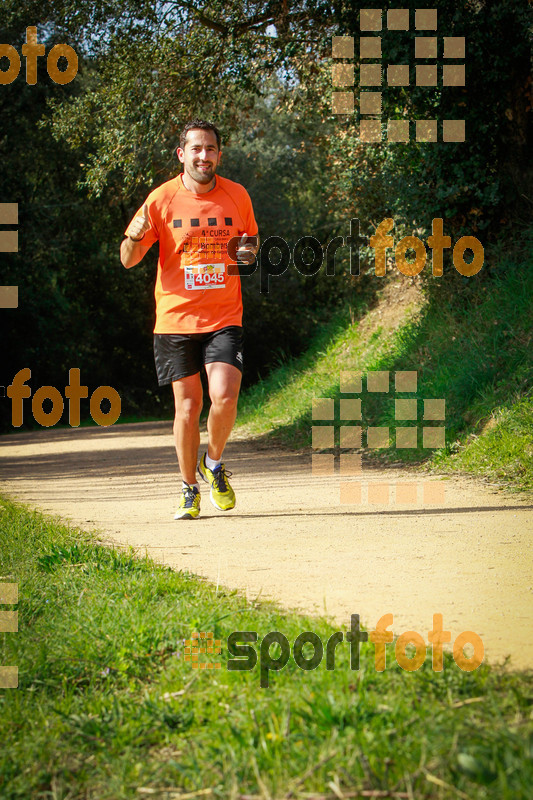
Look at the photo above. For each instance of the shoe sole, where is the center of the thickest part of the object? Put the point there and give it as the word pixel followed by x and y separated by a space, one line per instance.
pixel 214 502
pixel 186 516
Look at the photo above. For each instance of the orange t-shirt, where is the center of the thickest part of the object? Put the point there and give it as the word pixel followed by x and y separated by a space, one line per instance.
pixel 194 292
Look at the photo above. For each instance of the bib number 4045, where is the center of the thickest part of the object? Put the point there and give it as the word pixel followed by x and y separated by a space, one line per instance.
pixel 205 276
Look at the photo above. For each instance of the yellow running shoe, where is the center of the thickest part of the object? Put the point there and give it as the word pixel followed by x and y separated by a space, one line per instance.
pixel 189 507
pixel 222 495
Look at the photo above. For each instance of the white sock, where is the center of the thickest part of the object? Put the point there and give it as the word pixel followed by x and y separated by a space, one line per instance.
pixel 211 463
pixel 185 485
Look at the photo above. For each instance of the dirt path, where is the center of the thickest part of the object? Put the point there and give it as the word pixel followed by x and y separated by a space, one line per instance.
pixel 289 538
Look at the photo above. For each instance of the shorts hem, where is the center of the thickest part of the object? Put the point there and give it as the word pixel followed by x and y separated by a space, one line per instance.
pixel 223 361
pixel 167 381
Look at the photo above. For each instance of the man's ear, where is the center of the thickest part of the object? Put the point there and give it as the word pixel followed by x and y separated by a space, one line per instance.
pixel 180 154
pixel 219 156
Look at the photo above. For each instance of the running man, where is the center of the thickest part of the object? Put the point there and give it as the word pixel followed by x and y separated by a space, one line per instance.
pixel 194 217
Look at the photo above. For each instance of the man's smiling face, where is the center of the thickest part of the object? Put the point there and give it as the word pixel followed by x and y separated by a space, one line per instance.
pixel 201 155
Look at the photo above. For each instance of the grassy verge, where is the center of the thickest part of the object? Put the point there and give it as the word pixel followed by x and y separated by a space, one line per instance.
pixel 281 404
pixel 502 451
pixel 473 348
pixel 107 708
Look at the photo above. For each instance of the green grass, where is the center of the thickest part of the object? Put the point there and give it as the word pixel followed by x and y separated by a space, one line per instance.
pixel 471 345
pixel 107 708
pixel 502 452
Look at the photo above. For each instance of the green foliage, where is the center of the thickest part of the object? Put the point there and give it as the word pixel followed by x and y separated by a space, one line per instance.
pixel 80 158
pixel 78 307
pixel 476 185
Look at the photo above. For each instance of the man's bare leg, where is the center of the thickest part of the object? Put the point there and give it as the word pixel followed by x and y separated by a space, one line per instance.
pixel 224 384
pixel 188 400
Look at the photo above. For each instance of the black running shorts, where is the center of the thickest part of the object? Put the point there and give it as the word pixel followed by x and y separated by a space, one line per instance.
pixel 178 355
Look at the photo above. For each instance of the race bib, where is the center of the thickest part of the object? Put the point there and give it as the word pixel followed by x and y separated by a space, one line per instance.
pixel 205 276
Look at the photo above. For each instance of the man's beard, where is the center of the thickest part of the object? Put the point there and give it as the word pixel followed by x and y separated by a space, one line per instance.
pixel 203 177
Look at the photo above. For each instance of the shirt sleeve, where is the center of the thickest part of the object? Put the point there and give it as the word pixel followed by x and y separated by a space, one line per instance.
pixel 151 235
pixel 247 214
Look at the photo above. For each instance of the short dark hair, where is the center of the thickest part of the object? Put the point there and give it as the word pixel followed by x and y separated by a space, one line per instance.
pixel 202 125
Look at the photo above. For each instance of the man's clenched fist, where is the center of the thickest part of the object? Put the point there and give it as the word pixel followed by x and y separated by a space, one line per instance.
pixel 246 251
pixel 139 226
